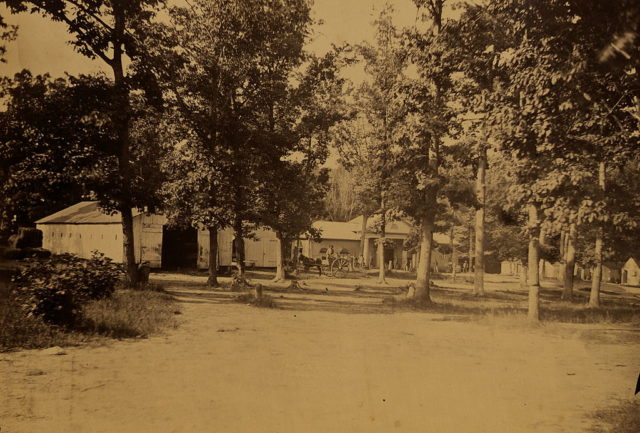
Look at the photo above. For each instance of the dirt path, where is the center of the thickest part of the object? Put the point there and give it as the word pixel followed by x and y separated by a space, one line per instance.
pixel 234 368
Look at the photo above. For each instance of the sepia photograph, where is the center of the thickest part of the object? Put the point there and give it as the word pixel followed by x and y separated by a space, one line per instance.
pixel 319 216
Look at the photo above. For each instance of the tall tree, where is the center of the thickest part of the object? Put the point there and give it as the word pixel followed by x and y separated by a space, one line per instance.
pixel 384 63
pixel 421 152
pixel 107 30
pixel 226 67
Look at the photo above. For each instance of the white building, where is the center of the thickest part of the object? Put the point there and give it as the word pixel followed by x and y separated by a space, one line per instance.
pixel 83 228
pixel 345 237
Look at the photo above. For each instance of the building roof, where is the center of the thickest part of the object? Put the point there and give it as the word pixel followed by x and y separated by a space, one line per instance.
pixel 392 227
pixel 634 259
pixel 337 230
pixel 351 230
pixel 85 212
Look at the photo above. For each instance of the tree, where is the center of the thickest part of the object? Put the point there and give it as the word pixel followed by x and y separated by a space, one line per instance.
pixel 225 68
pixel 379 116
pixel 341 202
pixel 7 33
pixel 107 29
pixel 428 119
pixel 50 157
pixel 292 184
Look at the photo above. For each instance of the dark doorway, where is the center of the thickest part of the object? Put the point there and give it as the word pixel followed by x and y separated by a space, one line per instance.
pixel 179 248
pixel 389 255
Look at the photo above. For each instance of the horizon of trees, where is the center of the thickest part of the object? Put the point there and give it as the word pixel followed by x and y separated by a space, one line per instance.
pixel 514 128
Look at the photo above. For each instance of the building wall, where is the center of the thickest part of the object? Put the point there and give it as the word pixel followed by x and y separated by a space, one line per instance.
pixel 631 273
pixel 83 239
pixel 312 249
pixel 149 229
pixel 261 251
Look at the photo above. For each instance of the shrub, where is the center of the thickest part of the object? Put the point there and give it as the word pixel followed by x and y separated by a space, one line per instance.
pixel 19 331
pixel 25 253
pixel 56 289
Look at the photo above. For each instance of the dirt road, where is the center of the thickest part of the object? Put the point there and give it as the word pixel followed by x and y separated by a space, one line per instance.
pixel 235 368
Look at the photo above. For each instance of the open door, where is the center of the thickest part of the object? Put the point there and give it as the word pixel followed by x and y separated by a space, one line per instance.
pixel 179 248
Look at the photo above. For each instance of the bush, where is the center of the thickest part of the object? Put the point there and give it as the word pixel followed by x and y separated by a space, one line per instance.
pixel 27 237
pixel 19 331
pixel 26 253
pixel 56 289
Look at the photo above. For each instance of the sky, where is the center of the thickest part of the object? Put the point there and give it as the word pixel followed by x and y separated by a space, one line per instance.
pixel 42 45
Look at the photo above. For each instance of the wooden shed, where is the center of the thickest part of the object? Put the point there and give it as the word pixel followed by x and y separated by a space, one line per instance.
pixel 631 272
pixel 260 249
pixel 84 227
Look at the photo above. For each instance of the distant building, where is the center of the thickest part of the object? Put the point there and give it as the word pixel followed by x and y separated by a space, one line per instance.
pixel 84 227
pixel 345 237
pixel 631 272
pixel 610 270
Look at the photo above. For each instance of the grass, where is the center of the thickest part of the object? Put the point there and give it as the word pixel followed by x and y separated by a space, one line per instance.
pixel 511 303
pixel 130 314
pixel 126 314
pixel 18 331
pixel 623 418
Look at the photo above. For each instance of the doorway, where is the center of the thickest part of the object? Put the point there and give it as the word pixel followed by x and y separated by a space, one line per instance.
pixel 179 248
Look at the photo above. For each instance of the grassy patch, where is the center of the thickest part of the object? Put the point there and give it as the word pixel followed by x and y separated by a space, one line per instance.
pixel 130 314
pixel 623 418
pixel 125 314
pixel 18 331
pixel 506 303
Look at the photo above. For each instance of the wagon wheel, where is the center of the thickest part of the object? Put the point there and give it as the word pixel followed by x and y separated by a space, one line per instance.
pixel 339 267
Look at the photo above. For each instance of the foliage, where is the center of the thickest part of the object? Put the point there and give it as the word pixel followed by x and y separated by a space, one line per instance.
pixel 111 31
pixel 341 202
pixel 49 156
pixel 7 33
pixel 58 288
pixel 17 330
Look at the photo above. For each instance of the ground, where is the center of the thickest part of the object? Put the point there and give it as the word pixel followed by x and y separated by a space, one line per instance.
pixel 330 359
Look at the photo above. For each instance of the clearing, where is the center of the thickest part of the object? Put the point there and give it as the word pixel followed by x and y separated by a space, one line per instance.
pixel 331 359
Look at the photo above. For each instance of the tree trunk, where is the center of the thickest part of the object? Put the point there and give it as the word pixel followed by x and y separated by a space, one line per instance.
pixel 570 263
pixel 470 248
pixel 533 262
pixel 596 279
pixel 280 255
pixel 128 246
pixel 523 276
pixel 454 255
pixel 383 223
pixel 239 243
pixel 122 119
pixel 542 240
pixel 212 281
pixel 481 192
pixel 363 237
pixel 423 289
pixel 563 254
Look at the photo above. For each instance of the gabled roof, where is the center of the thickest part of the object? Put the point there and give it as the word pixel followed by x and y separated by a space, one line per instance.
pixel 393 227
pixel 337 230
pixel 85 212
pixel 635 259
